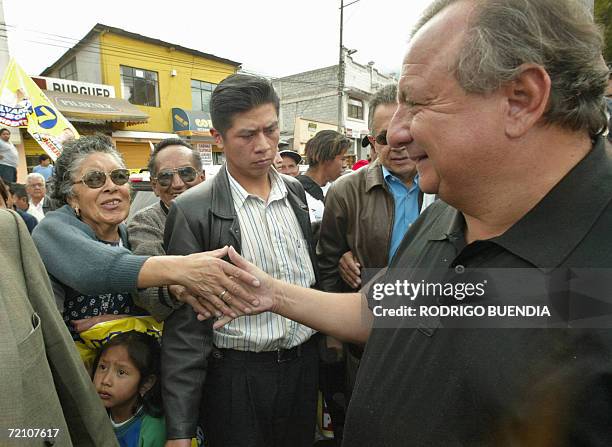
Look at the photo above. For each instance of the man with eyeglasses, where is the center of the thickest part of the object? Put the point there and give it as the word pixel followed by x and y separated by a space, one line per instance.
pixel 388 189
pixel 175 167
pixel 366 217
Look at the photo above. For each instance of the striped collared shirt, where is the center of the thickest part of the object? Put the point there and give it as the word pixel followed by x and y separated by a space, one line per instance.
pixel 271 239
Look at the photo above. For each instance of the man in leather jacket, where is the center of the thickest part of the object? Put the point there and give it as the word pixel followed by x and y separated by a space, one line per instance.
pixel 253 382
pixel 361 227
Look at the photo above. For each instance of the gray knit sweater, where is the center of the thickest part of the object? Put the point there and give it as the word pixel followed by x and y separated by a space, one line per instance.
pixel 146 233
pixel 73 255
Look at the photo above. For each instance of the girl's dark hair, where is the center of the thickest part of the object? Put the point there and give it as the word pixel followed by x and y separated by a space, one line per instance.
pixel 144 352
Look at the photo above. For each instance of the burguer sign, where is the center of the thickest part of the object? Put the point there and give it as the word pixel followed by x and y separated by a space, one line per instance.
pixel 80 88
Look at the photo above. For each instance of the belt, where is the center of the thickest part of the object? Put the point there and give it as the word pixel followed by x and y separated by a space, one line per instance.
pixel 276 356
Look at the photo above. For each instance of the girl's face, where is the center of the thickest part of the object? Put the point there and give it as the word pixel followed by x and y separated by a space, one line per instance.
pixel 117 382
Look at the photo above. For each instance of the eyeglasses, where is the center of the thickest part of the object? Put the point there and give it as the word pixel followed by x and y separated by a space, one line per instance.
pixel 186 173
pixel 381 138
pixel 97 179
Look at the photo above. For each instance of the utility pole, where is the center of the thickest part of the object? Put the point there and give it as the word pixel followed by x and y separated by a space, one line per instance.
pixel 341 68
pixel 341 73
pixel 4 49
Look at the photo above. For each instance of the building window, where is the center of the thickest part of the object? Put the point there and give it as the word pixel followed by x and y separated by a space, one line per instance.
pixel 140 86
pixel 69 71
pixel 200 94
pixel 355 109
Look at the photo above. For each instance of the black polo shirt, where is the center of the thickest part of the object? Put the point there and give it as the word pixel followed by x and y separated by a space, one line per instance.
pixel 441 386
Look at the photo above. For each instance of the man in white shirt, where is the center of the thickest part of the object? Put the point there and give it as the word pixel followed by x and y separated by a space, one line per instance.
pixel 258 386
pixel 9 157
pixel 36 188
pixel 325 152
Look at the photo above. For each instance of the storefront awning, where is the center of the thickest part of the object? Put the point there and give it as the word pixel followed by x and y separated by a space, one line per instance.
pixel 96 109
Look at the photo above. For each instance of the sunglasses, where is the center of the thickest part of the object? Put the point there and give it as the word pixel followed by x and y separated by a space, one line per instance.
pixel 187 174
pixel 97 179
pixel 381 138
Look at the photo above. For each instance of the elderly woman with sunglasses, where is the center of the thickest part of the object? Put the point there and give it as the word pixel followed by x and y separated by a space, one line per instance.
pixel 85 247
pixel 175 167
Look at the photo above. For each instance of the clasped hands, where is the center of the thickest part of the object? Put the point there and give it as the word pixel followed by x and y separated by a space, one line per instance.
pixel 214 287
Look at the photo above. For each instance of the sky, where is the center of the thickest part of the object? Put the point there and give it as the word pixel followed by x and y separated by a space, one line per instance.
pixel 270 37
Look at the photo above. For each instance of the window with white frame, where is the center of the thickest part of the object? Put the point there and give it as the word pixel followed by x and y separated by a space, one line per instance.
pixel 200 95
pixel 355 108
pixel 140 86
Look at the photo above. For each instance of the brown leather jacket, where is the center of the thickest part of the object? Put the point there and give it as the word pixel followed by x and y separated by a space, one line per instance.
pixel 359 212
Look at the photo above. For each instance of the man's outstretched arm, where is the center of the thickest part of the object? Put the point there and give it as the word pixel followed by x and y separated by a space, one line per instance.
pixel 345 316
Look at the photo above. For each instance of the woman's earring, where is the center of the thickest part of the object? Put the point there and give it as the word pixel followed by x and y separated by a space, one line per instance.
pixel 77 211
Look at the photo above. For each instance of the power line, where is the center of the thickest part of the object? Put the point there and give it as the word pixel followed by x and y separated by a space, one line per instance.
pixel 138 56
pixel 122 50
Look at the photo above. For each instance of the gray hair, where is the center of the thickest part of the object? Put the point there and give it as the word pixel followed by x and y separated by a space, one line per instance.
pixel 558 35
pixel 384 96
pixel 73 154
pixel 35 175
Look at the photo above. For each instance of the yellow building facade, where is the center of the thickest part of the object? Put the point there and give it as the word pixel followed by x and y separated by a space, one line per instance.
pixel 175 70
pixel 144 70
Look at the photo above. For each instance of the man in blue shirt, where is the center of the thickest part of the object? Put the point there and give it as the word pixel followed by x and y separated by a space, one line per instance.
pixel 405 198
pixel 45 168
pixel 368 212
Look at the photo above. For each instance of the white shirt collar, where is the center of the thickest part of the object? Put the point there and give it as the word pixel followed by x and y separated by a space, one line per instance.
pixel 278 190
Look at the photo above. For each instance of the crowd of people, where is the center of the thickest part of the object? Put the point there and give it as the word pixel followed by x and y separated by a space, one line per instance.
pixel 489 153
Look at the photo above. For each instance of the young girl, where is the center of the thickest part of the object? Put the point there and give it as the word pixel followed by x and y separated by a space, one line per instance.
pixel 126 376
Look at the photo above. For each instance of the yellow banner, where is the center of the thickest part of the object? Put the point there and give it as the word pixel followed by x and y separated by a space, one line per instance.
pixel 23 104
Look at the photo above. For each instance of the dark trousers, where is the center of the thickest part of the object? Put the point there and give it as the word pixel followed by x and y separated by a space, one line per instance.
pixel 261 399
pixel 8 174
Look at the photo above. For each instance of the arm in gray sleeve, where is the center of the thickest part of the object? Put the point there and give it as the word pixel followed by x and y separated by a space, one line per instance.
pixel 73 256
pixel 146 234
